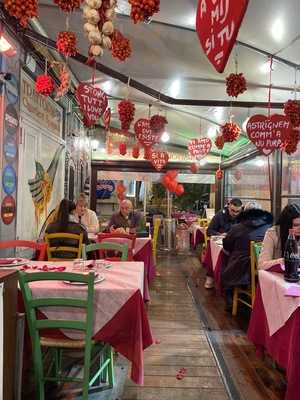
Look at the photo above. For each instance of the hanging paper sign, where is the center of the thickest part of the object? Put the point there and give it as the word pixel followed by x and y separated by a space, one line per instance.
pixel 92 102
pixel 268 134
pixel 218 23
pixel 106 118
pixel 199 148
pixel 144 134
pixel 159 159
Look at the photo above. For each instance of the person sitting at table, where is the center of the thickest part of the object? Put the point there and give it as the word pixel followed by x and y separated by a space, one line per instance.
pixel 66 223
pixel 85 216
pixel 125 220
pixel 253 224
pixel 275 238
pixel 224 219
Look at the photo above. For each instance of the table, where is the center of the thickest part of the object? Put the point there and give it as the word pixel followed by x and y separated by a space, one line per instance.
pixel 198 234
pixel 213 261
pixel 120 318
pixel 275 327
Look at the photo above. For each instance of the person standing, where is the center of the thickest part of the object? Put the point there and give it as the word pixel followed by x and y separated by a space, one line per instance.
pixel 85 216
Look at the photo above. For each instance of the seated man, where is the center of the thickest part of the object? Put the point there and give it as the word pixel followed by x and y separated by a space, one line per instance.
pixel 85 216
pixel 224 219
pixel 125 220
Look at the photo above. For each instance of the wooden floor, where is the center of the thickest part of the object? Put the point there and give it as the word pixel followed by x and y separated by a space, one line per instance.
pixel 186 319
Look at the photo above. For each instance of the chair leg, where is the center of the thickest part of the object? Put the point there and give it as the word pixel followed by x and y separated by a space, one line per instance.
pixel 110 367
pixel 38 372
pixel 235 302
pixel 86 373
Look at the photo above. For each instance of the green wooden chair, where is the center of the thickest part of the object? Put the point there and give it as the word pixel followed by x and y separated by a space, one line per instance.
pixel 104 248
pixel 94 352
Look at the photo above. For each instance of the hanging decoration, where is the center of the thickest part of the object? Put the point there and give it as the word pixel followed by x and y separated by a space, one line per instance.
pixel 159 159
pixel 199 148
pixel 120 46
pixel 65 82
pixel 22 10
pixel 44 84
pixel 291 141
pixel 170 183
pixel 268 133
pixel 144 134
pixel 147 153
pixel 235 84
pixel 158 123
pixel 143 10
pixel 66 43
pixel 126 109
pixel 92 102
pixel 68 5
pixel 194 168
pixel 217 26
pixel 219 142
pixel 121 190
pixel 122 149
pixel 230 131
pixel 106 118
pixel 292 111
pixel 219 174
pixel 136 151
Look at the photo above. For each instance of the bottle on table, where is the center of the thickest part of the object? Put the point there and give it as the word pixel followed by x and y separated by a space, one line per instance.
pixel 291 258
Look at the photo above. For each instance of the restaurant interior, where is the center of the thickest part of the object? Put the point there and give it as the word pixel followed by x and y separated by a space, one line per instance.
pixel 150 200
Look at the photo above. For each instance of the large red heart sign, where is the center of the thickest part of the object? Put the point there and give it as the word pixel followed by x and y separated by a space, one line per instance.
pixel 218 23
pixel 199 148
pixel 267 134
pixel 144 134
pixel 159 159
pixel 92 102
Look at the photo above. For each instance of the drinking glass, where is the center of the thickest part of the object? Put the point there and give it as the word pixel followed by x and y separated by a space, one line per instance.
pixel 78 265
pixel 100 266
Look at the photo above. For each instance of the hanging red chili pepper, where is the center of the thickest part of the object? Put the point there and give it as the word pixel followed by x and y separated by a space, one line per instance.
pixel 122 149
pixel 44 85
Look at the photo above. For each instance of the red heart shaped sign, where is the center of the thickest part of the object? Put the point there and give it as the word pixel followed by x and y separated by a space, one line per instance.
pixel 106 118
pixel 159 159
pixel 218 23
pixel 199 148
pixel 144 134
pixel 92 102
pixel 267 134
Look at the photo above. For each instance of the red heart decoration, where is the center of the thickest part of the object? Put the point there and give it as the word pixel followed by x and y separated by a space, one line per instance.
pixel 268 134
pixel 159 159
pixel 106 118
pixel 92 102
pixel 218 23
pixel 199 148
pixel 144 134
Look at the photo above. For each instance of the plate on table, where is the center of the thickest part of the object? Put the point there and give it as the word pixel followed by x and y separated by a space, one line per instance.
pixel 99 279
pixel 12 262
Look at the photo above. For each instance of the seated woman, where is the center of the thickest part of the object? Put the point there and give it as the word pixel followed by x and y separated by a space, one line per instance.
pixel 253 225
pixel 275 238
pixel 66 223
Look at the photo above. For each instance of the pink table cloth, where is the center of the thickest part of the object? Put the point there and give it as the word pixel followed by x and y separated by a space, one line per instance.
pixel 119 315
pixel 197 233
pixel 283 346
pixel 213 261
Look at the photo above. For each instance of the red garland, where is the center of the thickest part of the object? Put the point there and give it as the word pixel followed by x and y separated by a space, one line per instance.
pixel 121 46
pixel 68 5
pixel 219 174
pixel 219 142
pixel 136 151
pixel 157 123
pixel 44 85
pixel 292 111
pixel 230 132
pixel 126 111
pixel 235 84
pixel 122 149
pixel 291 143
pixel 143 10
pixel 23 10
pixel 66 43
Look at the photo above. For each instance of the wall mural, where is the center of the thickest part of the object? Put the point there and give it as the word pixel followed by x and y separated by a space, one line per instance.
pixel 41 185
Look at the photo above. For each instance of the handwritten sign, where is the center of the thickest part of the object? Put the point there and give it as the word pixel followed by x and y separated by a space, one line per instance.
pixel 199 148
pixel 144 134
pixel 218 23
pixel 267 134
pixel 159 159
pixel 92 102
pixel 106 118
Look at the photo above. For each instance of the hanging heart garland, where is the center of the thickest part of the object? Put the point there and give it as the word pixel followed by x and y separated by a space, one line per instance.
pixel 144 134
pixel 92 102
pixel 199 148
pixel 159 159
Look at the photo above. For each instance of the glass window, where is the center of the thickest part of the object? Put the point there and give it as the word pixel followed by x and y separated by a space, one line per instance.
pixel 291 175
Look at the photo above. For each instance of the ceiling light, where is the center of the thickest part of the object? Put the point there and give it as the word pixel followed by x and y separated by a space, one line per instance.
pixel 175 88
pixel 202 162
pixel 95 144
pixel 106 86
pixel 265 67
pixel 191 21
pixel 4 44
pixel 260 163
pixel 244 126
pixel 211 132
pixel 165 137
pixel 277 30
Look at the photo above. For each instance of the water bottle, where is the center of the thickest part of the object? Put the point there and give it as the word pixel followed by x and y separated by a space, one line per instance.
pixel 291 258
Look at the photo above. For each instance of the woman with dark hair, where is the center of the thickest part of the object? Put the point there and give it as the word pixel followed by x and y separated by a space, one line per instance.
pixel 275 238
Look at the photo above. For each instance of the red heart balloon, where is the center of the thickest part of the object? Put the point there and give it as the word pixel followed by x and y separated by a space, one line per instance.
pixel 144 134
pixel 92 102
pixel 173 186
pixel 179 190
pixel 268 134
pixel 199 148
pixel 159 159
pixel 172 174
pixel 218 23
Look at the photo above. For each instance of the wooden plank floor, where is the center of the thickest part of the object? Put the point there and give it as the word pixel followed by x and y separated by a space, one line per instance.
pixel 181 343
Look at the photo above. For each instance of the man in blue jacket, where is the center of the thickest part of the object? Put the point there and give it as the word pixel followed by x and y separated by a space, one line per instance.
pixel 224 219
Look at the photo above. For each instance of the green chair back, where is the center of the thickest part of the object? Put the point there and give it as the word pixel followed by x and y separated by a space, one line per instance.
pixel 257 250
pixel 105 247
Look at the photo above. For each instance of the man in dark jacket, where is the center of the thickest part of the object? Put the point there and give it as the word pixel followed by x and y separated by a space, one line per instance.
pixel 224 219
pixel 253 224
